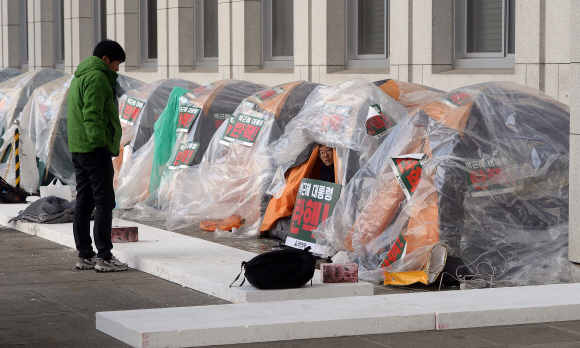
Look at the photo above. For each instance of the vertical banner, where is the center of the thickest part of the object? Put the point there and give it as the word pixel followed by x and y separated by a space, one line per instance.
pixel 408 170
pixel 314 204
pixel 131 110
pixel 183 158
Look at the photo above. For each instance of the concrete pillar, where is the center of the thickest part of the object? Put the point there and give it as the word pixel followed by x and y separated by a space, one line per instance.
pixel 225 34
pixel 78 32
pixel 123 27
pixel 246 37
pixel 530 48
pixel 401 39
pixel 303 40
pixel 574 240
pixel 328 37
pixel 178 38
pixel 40 34
pixel 10 34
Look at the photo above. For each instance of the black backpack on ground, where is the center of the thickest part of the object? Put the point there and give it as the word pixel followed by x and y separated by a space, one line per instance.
pixel 279 269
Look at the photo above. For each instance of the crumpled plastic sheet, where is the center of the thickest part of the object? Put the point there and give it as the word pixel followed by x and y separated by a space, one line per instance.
pixel 44 119
pixel 133 180
pixel 410 95
pixel 14 93
pixel 335 116
pixel 8 73
pixel 493 185
pixel 216 102
pixel 28 171
pixel 153 98
pixel 233 179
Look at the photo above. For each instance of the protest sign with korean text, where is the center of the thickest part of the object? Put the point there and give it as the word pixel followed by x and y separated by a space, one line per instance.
pixel 187 115
pixel 229 127
pixel 377 123
pixel 183 158
pixel 131 110
pixel 333 117
pixel 490 176
pixel 398 250
pixel 408 170
pixel 269 93
pixel 244 130
pixel 314 204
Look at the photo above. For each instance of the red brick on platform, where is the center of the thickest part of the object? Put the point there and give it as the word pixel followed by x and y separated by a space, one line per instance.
pixel 124 234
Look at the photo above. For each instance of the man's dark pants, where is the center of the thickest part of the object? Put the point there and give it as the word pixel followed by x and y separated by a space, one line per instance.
pixel 94 188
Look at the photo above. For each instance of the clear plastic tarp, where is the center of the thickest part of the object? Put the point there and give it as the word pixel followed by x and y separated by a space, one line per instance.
pixel 8 73
pixel 140 108
pixel 14 93
pixel 353 119
pixel 409 94
pixel 198 114
pixel 483 171
pixel 234 173
pixel 44 119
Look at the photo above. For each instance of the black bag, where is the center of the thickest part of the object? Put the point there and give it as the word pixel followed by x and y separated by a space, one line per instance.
pixel 279 269
pixel 11 194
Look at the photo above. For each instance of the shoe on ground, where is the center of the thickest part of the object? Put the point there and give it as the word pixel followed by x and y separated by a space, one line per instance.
pixel 83 264
pixel 112 265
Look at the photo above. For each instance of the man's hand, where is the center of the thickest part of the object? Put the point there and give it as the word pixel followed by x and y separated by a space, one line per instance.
pixel 103 154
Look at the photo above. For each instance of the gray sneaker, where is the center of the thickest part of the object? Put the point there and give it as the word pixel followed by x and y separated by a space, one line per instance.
pixel 86 263
pixel 111 265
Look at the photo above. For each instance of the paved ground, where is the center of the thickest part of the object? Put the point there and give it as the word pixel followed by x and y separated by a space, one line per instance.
pixel 45 302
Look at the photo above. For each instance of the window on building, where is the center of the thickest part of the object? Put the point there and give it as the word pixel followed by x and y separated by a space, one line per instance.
pixel 278 34
pixel 148 33
pixel 367 45
pixel 99 21
pixel 58 22
pixel 23 20
pixel 206 34
pixel 484 34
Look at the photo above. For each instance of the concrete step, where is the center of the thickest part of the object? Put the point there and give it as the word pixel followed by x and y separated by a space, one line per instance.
pixel 305 319
pixel 195 263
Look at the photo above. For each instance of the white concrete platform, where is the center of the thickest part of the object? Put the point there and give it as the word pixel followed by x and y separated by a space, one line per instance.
pixel 195 263
pixel 304 319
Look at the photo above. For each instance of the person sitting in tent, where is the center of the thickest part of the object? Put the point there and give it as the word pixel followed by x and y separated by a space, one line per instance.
pixel 327 168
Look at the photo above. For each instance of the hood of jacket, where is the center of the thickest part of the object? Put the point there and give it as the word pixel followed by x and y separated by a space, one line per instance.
pixel 95 63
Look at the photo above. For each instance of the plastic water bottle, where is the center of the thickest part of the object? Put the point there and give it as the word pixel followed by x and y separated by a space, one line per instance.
pixel 116 216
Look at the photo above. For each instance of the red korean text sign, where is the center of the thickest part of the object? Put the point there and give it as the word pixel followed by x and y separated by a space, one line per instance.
pixel 333 117
pixel 183 158
pixel 187 115
pixel 314 204
pixel 131 110
pixel 245 130
pixel 408 170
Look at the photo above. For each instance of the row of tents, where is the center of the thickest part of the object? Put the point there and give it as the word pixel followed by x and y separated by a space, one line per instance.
pixel 467 183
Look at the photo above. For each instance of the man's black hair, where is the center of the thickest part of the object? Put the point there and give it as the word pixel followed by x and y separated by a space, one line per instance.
pixel 111 49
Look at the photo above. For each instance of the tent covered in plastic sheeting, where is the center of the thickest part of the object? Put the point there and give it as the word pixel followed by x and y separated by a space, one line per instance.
pixel 481 171
pixel 44 119
pixel 140 108
pixel 352 118
pixel 229 185
pixel 8 73
pixel 198 115
pixel 409 94
pixel 14 93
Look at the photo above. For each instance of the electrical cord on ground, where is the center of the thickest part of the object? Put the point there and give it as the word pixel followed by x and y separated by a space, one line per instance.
pixel 481 279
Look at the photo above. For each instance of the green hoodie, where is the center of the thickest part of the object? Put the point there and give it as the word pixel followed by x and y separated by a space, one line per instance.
pixel 93 118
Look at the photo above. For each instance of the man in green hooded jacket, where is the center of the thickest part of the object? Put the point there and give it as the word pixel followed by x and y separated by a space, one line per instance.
pixel 94 135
